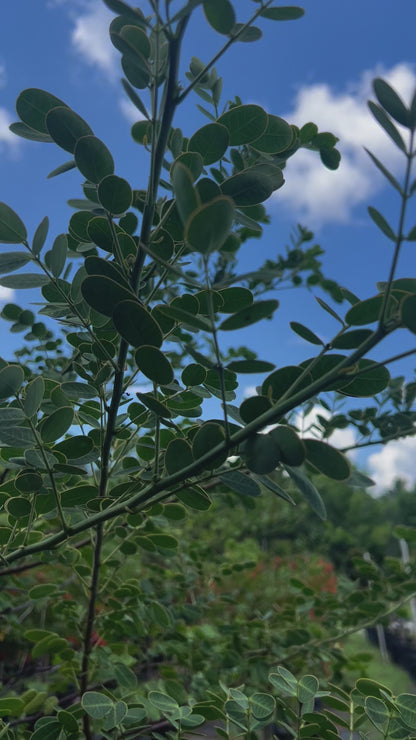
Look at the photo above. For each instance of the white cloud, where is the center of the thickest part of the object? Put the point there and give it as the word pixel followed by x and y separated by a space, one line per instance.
pixel 310 426
pixel 318 195
pixel 90 38
pixel 7 139
pixel 130 111
pixel 6 294
pixel 397 459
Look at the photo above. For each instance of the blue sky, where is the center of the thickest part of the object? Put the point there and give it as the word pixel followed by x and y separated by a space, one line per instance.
pixel 318 68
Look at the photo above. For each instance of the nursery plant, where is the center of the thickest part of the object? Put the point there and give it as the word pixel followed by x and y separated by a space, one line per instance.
pixel 100 594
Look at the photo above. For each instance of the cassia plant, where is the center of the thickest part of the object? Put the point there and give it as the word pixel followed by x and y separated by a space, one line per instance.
pixel 144 285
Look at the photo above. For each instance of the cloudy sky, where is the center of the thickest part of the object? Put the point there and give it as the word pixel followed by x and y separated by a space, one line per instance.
pixel 317 69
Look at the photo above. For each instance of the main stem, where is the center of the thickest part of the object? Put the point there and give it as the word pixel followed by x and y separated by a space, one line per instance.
pixel 168 108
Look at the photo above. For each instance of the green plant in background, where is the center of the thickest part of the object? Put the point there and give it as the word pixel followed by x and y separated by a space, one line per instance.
pixel 99 477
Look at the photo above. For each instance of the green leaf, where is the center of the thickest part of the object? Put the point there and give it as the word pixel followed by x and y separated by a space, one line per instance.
pixel 136 325
pixel 330 158
pixel 33 104
pixel 65 167
pixel 105 295
pixel 272 486
pixel 25 132
pixel 391 102
pixel 96 705
pixel 58 255
pixel 211 141
pixel 234 299
pixel 93 159
pixel 165 703
pixel 220 15
pixel 194 498
pixel 19 437
pixel 11 379
pixel 75 447
pixel 154 405
pixel 385 172
pixel 75 390
pixel 135 99
pixel 249 187
pixel 382 224
pixel 97 266
pixel 288 13
pixel 406 704
pixel 55 425
pixel 154 364
pixel 250 366
pixel 260 453
pixel 187 200
pixel 250 315
pixel 262 706
pixel 305 333
pixel 185 317
pixel 326 459
pixel 291 447
pixel 66 127
pixel 208 436
pixel 178 455
pixel 12 228
pixel 253 407
pixel 208 227
pixel 245 123
pixel 240 483
pixel 351 339
pixel 408 313
pixel 19 508
pixel 10 416
pixel 377 713
pixel 276 138
pixel 115 194
pixel 10 261
pixel 284 681
pixel 193 161
pixel 368 311
pixel 308 687
pixel 308 490
pixel 25 280
pixel 78 496
pixel 11 706
pixel 369 382
pixel 248 34
pixel 278 383
pixel 40 236
pixel 386 123
pixel 50 731
pixel 193 374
